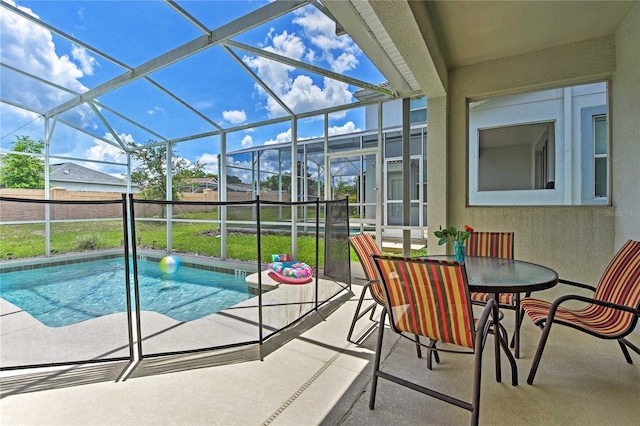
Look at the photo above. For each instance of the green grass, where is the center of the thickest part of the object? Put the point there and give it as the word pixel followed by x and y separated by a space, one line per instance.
pixel 19 241
pixel 23 241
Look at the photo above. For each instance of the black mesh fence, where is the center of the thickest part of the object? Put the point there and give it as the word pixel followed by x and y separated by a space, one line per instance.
pixel 65 300
pixel 337 262
pixel 187 297
pixel 180 277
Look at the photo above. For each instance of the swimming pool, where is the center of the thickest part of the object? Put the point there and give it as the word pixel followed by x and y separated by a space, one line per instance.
pixel 68 294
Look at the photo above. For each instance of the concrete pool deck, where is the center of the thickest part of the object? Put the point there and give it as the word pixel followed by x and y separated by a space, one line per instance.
pixel 311 375
pixel 26 341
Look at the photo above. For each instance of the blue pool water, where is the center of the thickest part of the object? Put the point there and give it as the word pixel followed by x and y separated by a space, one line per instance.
pixel 67 294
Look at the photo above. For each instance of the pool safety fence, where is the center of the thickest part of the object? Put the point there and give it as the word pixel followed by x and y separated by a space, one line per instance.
pixel 52 317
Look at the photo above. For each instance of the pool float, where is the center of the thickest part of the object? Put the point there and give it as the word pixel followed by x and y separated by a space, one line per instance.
pixel 280 257
pixel 290 272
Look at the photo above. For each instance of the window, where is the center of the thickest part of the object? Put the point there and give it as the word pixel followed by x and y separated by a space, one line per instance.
pixel 548 147
pixel 601 157
pixel 418 109
pixel 516 157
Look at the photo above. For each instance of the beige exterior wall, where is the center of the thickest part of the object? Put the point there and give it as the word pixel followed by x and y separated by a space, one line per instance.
pixel 577 241
pixel 626 130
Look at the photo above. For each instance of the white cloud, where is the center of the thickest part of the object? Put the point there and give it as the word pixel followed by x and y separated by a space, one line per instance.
pixel 155 110
pixel 210 162
pixel 30 47
pixel 274 74
pixel 299 92
pixel 86 61
pixel 101 151
pixel 281 138
pixel 247 141
pixel 239 168
pixel 304 95
pixel 348 127
pixel 344 62
pixel 321 32
pixel 200 105
pixel 234 116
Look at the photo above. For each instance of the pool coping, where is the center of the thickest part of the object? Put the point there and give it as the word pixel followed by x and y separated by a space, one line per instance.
pixel 198 262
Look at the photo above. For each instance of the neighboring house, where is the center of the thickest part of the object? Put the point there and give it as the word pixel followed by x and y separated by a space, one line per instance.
pixel 74 177
pixel 198 185
pixel 545 147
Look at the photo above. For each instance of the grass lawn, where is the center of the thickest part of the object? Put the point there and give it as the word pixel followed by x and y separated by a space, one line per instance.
pixel 22 241
pixel 190 237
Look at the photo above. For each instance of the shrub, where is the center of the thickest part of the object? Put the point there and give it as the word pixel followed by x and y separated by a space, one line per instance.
pixel 88 242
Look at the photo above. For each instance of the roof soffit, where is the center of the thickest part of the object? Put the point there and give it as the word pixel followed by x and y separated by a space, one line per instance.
pixel 472 32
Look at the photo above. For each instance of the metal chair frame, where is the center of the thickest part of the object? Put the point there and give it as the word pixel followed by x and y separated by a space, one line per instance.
pixel 632 276
pixel 482 329
pixel 370 273
pixel 371 280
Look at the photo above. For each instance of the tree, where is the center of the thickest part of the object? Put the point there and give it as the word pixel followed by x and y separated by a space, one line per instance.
pixel 345 188
pixel 23 171
pixel 151 174
pixel 273 182
pixel 233 180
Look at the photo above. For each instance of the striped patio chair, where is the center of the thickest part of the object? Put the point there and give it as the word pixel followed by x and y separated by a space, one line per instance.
pixel 430 298
pixel 612 312
pixel 497 244
pixel 365 246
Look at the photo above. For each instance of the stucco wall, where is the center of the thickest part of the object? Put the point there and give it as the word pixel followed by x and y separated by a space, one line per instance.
pixel 626 130
pixel 577 241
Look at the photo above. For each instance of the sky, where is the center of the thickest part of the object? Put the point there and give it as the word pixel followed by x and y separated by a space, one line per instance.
pixel 130 33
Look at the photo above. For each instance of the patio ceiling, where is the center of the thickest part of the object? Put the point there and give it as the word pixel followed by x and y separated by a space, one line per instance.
pixel 462 33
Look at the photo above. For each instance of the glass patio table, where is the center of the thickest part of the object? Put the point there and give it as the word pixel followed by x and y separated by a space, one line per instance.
pixel 494 276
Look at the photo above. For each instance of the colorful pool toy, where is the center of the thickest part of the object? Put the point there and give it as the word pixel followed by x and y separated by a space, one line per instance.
pixel 169 264
pixel 290 272
pixel 280 257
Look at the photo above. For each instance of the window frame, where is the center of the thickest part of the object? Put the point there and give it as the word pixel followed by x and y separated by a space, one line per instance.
pixel 566 107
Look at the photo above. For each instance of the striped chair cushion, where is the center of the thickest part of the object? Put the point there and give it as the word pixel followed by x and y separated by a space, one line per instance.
pixel 365 246
pixel 503 299
pixel 491 244
pixel 377 291
pixel 605 322
pixel 619 284
pixel 429 298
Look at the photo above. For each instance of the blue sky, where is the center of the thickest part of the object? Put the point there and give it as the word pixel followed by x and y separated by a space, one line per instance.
pixel 134 32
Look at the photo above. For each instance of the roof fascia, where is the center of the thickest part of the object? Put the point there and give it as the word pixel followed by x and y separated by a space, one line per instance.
pixel 354 25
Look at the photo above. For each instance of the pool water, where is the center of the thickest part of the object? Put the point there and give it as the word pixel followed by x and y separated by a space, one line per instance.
pixel 68 294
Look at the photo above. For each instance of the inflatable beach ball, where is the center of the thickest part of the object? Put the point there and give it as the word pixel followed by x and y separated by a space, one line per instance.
pixel 169 264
